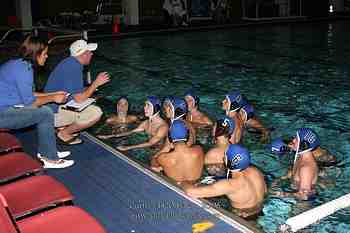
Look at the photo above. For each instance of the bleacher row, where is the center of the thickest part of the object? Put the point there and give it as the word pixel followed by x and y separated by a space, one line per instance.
pixel 31 201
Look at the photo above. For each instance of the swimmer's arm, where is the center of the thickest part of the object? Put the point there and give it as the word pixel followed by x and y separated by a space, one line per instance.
pixel 206 120
pixel 219 188
pixel 285 177
pixel 139 129
pixel 155 166
pixel 167 146
pixel 159 162
pixel 162 131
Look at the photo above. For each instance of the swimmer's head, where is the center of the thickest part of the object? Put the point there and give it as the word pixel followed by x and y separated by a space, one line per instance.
pixel 166 106
pixel 233 102
pixel 306 140
pixel 192 100
pixel 279 146
pixel 224 127
pixel 178 132
pixel 179 108
pixel 122 104
pixel 152 106
pixel 237 158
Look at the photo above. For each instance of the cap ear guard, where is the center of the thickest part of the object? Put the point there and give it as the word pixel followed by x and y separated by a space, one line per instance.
pixel 304 145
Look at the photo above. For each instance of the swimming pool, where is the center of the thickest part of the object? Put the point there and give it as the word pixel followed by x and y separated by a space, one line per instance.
pixel 296 75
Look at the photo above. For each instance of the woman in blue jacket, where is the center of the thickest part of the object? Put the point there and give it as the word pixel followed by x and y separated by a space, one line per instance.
pixel 21 107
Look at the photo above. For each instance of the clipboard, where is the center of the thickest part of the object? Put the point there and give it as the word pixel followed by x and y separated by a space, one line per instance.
pixel 78 107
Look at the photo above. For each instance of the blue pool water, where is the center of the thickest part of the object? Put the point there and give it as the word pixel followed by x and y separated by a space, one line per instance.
pixel 296 76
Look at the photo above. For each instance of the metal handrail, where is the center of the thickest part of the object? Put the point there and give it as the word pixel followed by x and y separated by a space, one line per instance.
pixel 15 29
pixel 65 37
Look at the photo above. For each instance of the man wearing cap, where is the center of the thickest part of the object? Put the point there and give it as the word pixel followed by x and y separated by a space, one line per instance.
pixel 68 76
pixel 242 112
pixel 244 185
pixel 184 163
pixel 304 172
pixel 154 126
pixel 214 158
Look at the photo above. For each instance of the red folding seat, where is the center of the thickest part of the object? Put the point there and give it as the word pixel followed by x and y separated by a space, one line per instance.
pixel 33 194
pixel 9 143
pixel 17 164
pixel 67 219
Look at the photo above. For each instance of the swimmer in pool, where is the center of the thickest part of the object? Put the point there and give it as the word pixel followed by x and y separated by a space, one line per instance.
pixel 194 115
pixel 239 109
pixel 175 109
pixel 214 158
pixel 304 172
pixel 323 157
pixel 184 163
pixel 154 126
pixel 244 184
pixel 121 119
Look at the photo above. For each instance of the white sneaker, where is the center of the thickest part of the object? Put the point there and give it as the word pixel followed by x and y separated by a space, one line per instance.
pixel 61 163
pixel 60 154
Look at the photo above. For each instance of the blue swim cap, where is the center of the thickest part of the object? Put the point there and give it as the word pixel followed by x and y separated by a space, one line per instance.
pixel 279 147
pixel 248 110
pixel 224 126
pixel 167 99
pixel 195 97
pixel 155 103
pixel 178 131
pixel 237 158
pixel 179 107
pixel 236 101
pixel 307 140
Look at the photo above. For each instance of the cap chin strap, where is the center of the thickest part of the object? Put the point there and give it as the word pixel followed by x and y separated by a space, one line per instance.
pixel 229 108
pixel 297 153
pixel 231 171
pixel 174 119
pixel 154 115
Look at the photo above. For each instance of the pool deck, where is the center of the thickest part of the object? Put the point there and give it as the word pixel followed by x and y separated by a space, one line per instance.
pixel 125 196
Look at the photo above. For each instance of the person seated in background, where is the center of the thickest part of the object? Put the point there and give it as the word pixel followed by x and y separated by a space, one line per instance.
pixel 304 172
pixel 121 119
pixel 214 158
pixel 244 185
pixel 175 109
pixel 154 126
pixel 68 76
pixel 239 109
pixel 184 163
pixel 20 107
pixel 194 115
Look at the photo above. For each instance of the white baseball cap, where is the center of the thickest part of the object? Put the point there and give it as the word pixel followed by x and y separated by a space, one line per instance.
pixel 78 47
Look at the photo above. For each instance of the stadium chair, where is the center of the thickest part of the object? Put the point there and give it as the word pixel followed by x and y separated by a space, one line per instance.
pixel 67 219
pixel 34 194
pixel 16 165
pixel 9 143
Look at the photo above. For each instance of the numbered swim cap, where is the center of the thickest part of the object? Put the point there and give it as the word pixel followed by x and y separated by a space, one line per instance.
pixel 178 131
pixel 235 100
pixel 224 126
pixel 179 107
pixel 279 146
pixel 237 158
pixel 307 140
